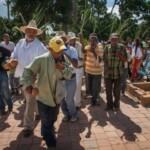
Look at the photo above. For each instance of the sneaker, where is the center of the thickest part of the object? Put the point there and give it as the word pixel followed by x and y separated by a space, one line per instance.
pixel 3 112
pixel 66 118
pixel 37 117
pixel 116 108
pixel 109 109
pixel 95 103
pixel 52 148
pixel 77 108
pixel 73 118
pixel 10 108
pixel 27 133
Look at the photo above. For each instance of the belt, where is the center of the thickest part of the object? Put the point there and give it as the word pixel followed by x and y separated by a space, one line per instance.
pixel 80 66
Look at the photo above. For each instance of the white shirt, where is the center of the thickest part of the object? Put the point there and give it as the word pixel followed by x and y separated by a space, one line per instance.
pixel 78 47
pixel 26 53
pixel 138 54
pixel 10 46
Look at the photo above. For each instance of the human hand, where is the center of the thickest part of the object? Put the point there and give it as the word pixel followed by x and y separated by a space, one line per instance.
pixel 28 89
pixel 35 91
pixel 60 65
pixel 13 62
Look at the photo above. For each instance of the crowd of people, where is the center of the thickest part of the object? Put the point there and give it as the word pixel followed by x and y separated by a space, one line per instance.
pixel 51 76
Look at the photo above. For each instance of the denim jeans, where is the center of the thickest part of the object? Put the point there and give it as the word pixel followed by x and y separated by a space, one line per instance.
pixel 68 104
pixel 94 86
pixel 4 91
pixel 48 116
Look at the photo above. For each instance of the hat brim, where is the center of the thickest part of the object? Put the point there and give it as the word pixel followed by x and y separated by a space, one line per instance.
pixel 23 29
pixel 65 36
pixel 114 37
pixel 63 47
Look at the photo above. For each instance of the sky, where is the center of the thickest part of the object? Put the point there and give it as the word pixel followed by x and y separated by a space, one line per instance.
pixel 3 9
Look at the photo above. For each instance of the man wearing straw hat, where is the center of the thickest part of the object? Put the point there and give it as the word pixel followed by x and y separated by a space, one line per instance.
pixel 25 52
pixel 51 67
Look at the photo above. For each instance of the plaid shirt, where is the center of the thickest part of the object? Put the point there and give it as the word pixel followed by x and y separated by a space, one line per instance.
pixel 112 62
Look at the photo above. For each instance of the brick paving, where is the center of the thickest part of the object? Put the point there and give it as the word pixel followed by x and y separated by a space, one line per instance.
pixel 127 129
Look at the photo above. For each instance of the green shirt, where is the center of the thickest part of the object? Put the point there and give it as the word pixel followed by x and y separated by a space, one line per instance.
pixel 113 62
pixel 47 75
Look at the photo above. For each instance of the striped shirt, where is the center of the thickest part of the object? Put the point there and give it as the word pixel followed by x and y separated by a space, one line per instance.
pixel 94 65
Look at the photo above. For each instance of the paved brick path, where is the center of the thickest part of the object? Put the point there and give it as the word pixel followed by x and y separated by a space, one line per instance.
pixel 127 129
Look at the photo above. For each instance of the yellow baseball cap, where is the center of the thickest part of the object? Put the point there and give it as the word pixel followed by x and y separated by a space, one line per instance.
pixel 57 44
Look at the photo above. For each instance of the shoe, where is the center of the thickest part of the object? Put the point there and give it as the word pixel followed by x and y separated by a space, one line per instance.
pixel 27 133
pixel 95 103
pixel 77 107
pixel 109 109
pixel 87 96
pixel 3 112
pixel 66 118
pixel 52 148
pixel 37 117
pixel 73 119
pixel 10 108
pixel 116 108
pixel 12 93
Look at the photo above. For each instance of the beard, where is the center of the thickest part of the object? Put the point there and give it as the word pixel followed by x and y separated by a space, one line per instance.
pixel 29 38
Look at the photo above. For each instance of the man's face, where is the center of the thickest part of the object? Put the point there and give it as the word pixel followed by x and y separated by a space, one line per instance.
pixel 72 42
pixel 64 39
pixel 114 41
pixel 30 34
pixel 93 41
pixel 6 39
pixel 57 55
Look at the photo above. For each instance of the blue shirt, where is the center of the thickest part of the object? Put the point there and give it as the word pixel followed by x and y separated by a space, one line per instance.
pixel 72 52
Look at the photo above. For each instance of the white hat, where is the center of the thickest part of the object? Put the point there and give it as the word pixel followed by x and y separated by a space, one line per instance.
pixel 62 34
pixel 71 35
pixel 31 25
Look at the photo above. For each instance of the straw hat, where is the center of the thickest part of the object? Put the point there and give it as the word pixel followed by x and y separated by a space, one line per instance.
pixel 31 25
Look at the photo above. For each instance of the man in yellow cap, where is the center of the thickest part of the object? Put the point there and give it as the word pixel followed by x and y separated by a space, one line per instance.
pixel 50 67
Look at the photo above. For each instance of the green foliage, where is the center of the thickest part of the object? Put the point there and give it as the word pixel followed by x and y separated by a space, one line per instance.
pixel 84 16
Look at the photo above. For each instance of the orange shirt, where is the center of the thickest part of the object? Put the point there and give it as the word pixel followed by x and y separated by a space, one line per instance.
pixel 94 65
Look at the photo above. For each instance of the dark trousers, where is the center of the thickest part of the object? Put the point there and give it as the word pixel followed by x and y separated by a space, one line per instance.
pixel 113 87
pixel 94 85
pixel 48 116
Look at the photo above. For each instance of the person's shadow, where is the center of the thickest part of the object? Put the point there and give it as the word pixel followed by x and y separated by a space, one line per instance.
pixel 69 134
pixel 128 100
pixel 98 115
pixel 21 143
pixel 117 119
pixel 126 126
pixel 3 124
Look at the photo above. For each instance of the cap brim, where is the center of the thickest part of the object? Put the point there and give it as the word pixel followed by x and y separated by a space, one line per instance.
pixel 23 28
pixel 62 47
pixel 114 37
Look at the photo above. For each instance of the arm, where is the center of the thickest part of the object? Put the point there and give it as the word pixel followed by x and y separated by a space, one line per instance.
pixel 82 42
pixel 73 61
pixel 29 72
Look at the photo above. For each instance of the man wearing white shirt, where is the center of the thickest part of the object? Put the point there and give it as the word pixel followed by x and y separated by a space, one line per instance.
pixel 7 43
pixel 25 52
pixel 80 69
